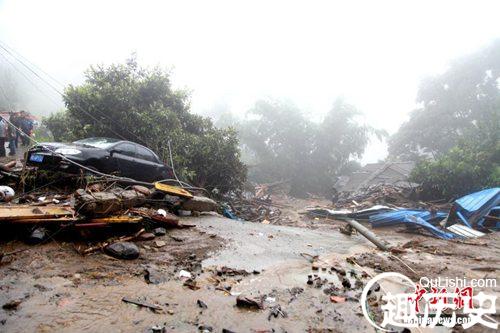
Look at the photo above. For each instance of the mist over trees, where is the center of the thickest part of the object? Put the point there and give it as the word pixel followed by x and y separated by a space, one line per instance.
pixel 455 131
pixel 283 144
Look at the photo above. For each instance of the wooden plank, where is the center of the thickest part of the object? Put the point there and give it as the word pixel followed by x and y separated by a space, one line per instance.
pixel 18 212
pixel 59 220
pixel 173 190
pixel 117 219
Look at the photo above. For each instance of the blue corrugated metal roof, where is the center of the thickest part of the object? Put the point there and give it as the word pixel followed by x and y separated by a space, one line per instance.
pixel 472 208
pixel 474 201
pixel 412 218
pixel 400 215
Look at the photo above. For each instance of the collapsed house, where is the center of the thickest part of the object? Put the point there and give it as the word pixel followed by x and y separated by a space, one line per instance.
pixel 390 173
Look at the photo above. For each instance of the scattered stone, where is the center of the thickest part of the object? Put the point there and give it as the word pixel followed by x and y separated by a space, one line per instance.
pixel 276 311
pixel 12 304
pixel 231 271
pixel 160 231
pixel 244 301
pixel 160 243
pixel 296 290
pixel 158 329
pixel 341 271
pixel 346 283
pixel 153 276
pixel 192 256
pixel 337 299
pixel 205 328
pixel 177 239
pixel 40 287
pixel 38 236
pixel 146 236
pixel 185 274
pixel 123 250
pixel 201 304
pixel 191 284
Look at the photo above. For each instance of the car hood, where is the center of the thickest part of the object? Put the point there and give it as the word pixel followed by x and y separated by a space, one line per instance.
pixel 52 146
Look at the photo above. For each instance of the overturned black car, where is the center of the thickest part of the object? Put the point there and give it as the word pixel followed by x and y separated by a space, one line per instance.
pixel 106 155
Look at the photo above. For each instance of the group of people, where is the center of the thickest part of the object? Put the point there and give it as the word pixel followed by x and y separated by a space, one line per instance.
pixel 19 125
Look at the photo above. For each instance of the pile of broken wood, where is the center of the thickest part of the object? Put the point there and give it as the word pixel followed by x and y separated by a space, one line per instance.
pixel 257 205
pixel 382 194
pixel 102 206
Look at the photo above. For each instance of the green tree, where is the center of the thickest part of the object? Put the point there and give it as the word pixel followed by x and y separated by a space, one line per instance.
pixel 139 104
pixel 466 168
pixel 462 102
pixel 454 134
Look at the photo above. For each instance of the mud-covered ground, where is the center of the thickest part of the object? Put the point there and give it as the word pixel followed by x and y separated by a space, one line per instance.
pixel 52 288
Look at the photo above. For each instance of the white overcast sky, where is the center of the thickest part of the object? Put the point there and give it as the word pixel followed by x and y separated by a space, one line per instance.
pixel 374 53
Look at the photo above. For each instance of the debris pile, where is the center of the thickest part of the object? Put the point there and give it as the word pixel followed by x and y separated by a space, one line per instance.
pixel 387 206
pixel 122 214
pixel 377 194
pixel 255 206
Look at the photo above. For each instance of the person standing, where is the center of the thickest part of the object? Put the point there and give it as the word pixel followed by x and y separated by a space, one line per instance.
pixel 15 120
pixel 3 135
pixel 26 127
pixel 11 136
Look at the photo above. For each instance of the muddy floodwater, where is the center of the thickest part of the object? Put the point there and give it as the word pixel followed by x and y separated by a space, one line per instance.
pixel 58 290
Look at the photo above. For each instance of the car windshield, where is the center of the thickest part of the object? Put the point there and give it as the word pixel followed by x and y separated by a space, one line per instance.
pixel 102 143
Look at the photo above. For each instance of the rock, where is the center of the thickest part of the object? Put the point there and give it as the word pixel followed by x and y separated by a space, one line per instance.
pixel 146 236
pixel 123 250
pixel 337 299
pixel 153 276
pixel 160 232
pixel 205 328
pixel 12 304
pixel 201 304
pixel 247 302
pixel 185 274
pixel 276 311
pixel 38 236
pixel 159 243
pixel 158 329
pixel 346 283
pixel 200 204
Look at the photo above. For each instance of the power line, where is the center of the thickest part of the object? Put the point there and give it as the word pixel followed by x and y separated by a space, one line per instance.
pixel 32 64
pixel 30 69
pixel 61 94
pixel 43 93
pixel 28 79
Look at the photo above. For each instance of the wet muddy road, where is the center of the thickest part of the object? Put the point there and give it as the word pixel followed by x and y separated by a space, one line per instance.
pixel 60 291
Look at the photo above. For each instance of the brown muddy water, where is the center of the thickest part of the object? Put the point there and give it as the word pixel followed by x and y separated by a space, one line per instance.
pixel 60 291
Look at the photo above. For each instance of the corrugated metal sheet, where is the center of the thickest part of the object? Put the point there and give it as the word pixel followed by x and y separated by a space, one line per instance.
pixel 472 208
pixel 399 216
pixel 412 218
pixel 474 201
pixel 464 231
